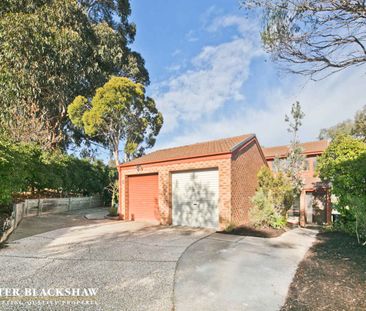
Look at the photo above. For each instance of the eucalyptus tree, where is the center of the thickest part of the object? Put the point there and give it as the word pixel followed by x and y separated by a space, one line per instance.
pixel 314 38
pixel 119 113
pixel 52 51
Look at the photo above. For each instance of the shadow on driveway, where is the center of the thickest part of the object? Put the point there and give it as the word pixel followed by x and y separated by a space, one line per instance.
pixel 39 224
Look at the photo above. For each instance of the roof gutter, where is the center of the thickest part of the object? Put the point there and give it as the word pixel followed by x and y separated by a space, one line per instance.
pixel 128 164
pixel 285 156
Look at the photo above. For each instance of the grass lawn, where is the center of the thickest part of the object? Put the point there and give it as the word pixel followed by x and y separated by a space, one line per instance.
pixel 332 276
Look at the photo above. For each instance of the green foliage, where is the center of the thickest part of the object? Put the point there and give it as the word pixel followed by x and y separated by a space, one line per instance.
pixel 294 163
pixel 118 111
pixel 263 213
pixel 272 199
pixel 52 51
pixel 230 227
pixel 355 127
pixel 25 167
pixel 11 173
pixel 278 187
pixel 343 128
pixel 343 164
pixel 360 124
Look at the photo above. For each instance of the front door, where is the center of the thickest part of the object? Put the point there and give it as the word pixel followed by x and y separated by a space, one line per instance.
pixel 309 207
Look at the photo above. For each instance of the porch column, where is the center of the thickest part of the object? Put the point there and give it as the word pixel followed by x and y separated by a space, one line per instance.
pixel 302 208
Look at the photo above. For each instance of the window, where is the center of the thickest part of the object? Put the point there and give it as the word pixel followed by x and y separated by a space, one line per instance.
pixel 307 165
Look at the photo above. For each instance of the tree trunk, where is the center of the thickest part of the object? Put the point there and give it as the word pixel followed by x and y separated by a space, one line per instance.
pixel 116 159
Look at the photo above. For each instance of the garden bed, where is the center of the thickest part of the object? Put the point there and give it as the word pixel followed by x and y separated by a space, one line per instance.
pixel 332 276
pixel 256 232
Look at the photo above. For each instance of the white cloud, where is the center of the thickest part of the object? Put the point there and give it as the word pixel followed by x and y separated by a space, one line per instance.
pixel 176 67
pixel 243 25
pixel 325 103
pixel 216 76
pixel 191 36
pixel 176 52
pixel 207 100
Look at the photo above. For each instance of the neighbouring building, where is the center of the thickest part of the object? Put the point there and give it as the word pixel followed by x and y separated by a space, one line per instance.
pixel 201 185
pixel 313 205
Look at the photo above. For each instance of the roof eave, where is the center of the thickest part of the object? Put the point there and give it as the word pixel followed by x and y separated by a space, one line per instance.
pixel 305 153
pixel 129 164
pixel 242 143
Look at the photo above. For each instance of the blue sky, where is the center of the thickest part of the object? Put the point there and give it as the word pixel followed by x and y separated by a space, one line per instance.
pixel 211 78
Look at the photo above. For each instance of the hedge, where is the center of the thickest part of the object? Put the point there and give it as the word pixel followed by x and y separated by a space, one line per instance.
pixel 26 168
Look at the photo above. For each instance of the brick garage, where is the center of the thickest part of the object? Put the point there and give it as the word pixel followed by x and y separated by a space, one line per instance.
pixel 205 184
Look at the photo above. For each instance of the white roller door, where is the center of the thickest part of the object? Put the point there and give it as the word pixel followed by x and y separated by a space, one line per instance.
pixel 195 197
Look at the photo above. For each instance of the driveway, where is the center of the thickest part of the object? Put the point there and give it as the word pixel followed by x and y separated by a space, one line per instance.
pixel 136 266
pixel 35 225
pixel 132 264
pixel 226 272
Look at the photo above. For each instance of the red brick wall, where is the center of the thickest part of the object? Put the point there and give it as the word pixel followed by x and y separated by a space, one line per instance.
pixel 309 177
pixel 223 163
pixel 245 165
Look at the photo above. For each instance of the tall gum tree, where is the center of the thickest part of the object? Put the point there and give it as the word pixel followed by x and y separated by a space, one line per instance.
pixel 119 113
pixel 52 51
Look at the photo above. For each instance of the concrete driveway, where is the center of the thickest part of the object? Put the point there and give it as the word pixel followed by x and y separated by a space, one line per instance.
pixel 132 264
pixel 136 266
pixel 226 272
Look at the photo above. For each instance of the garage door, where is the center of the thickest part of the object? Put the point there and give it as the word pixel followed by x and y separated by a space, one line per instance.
pixel 143 197
pixel 195 198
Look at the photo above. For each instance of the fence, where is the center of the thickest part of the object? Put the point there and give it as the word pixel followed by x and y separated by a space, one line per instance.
pixel 37 207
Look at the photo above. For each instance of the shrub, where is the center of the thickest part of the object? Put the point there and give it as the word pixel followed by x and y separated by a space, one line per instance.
pixel 272 200
pixel 263 213
pixel 343 164
pixel 25 167
pixel 278 187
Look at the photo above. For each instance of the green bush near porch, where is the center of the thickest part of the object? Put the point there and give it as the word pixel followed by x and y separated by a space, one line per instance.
pixel 344 165
pixel 272 200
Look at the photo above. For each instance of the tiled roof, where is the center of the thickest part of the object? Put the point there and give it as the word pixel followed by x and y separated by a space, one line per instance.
pixel 313 147
pixel 191 151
